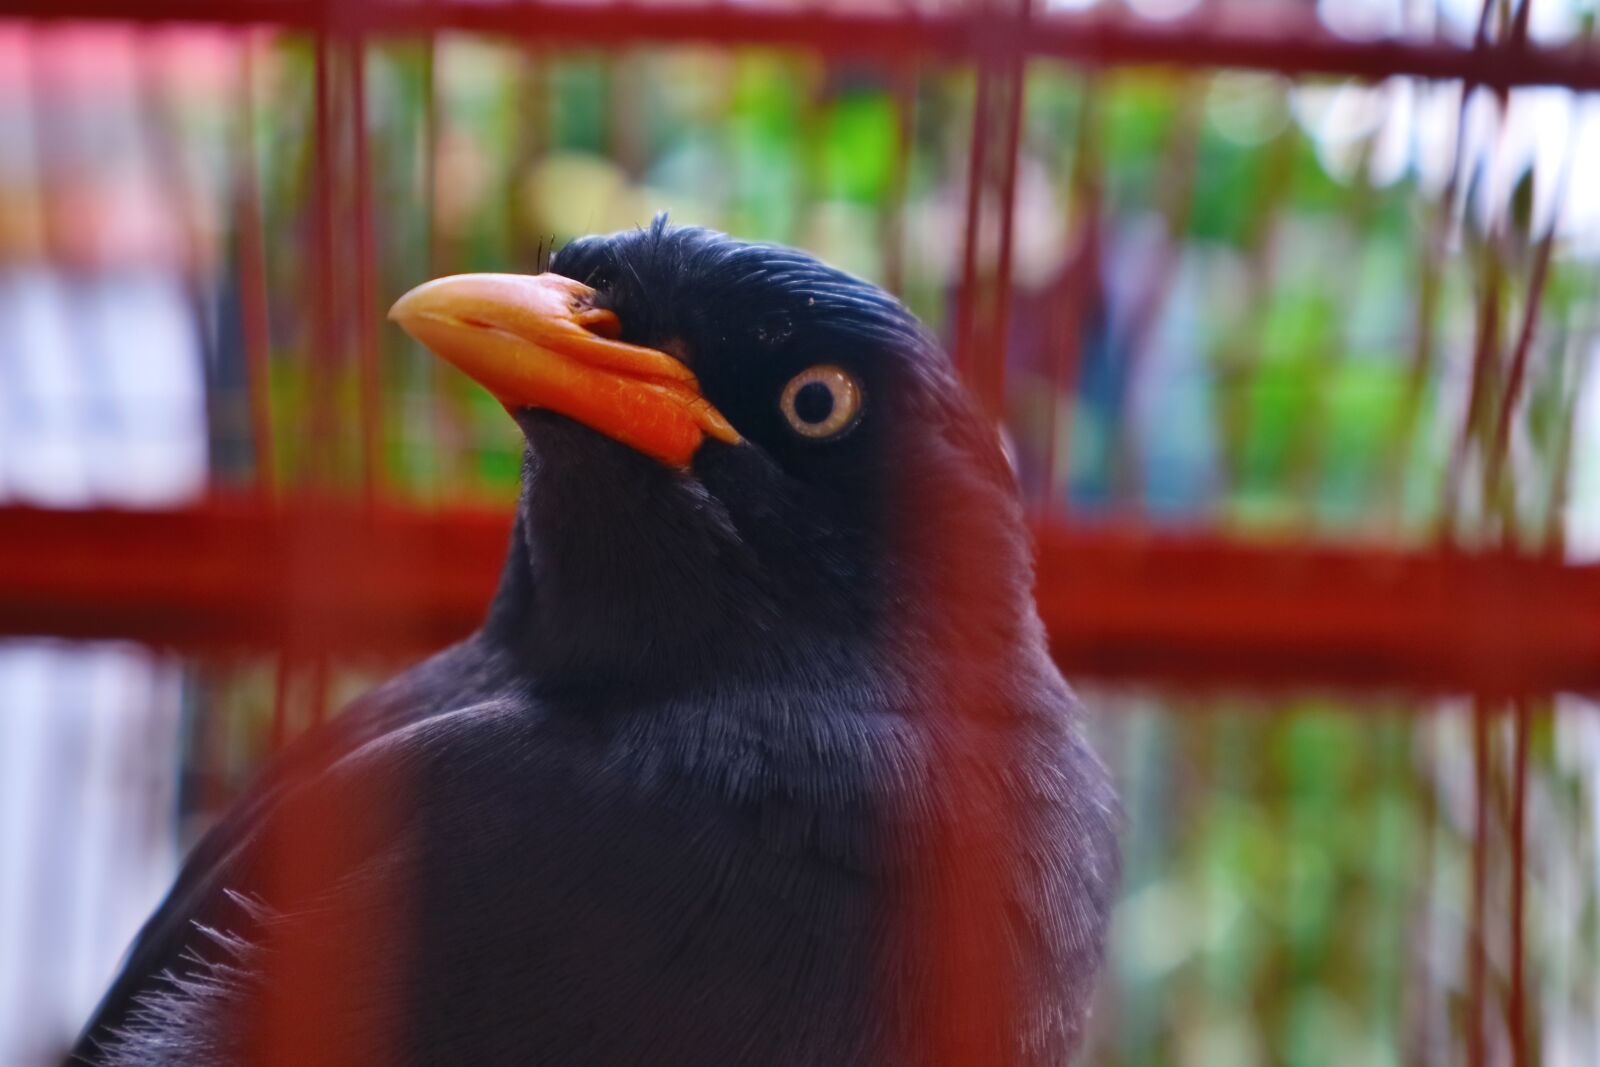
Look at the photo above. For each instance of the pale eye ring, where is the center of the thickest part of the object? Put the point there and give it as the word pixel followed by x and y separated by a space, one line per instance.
pixel 822 401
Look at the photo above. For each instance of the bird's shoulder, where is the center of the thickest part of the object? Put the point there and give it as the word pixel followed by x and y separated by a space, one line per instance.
pixel 217 872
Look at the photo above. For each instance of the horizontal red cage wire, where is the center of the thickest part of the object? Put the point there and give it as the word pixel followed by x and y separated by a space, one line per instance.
pixel 1293 44
pixel 327 578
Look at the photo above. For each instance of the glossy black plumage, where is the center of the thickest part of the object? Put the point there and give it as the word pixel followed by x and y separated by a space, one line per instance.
pixel 751 763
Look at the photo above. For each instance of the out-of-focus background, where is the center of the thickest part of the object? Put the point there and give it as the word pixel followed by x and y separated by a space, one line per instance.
pixel 1291 309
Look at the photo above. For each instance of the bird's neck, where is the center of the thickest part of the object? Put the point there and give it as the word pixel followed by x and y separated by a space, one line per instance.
pixel 593 603
pixel 508 611
pixel 625 586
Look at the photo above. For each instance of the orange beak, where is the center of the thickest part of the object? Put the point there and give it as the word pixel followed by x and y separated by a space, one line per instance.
pixel 539 341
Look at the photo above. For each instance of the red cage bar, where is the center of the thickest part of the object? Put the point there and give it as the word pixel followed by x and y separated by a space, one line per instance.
pixel 1185 609
pixel 1295 45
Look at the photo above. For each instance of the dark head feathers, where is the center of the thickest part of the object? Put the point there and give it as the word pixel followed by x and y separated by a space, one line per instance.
pixel 691 262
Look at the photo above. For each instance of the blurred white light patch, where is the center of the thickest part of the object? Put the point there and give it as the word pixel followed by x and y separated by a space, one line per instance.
pixel 141 352
pixel 89 748
pixel 103 389
pixel 1248 108
pixel 43 455
pixel 1456 21
pixel 1402 127
pixel 1162 9
pixel 1362 19
pixel 1583 486
pixel 1353 123
pixel 1561 930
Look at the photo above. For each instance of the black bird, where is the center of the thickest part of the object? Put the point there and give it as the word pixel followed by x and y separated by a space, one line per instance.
pixel 758 757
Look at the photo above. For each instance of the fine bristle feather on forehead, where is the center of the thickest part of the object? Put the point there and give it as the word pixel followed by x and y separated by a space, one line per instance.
pixel 673 264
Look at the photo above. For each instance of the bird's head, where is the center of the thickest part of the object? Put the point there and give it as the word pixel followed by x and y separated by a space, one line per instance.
pixel 736 456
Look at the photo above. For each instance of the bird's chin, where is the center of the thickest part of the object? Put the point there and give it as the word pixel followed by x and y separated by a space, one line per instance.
pixel 561 445
pixel 579 482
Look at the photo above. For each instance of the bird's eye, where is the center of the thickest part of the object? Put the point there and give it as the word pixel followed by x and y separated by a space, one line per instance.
pixel 821 401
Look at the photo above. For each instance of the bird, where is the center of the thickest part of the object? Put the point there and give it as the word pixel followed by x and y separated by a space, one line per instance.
pixel 758 757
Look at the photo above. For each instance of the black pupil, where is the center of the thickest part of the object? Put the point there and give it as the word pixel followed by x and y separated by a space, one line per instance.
pixel 814 402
